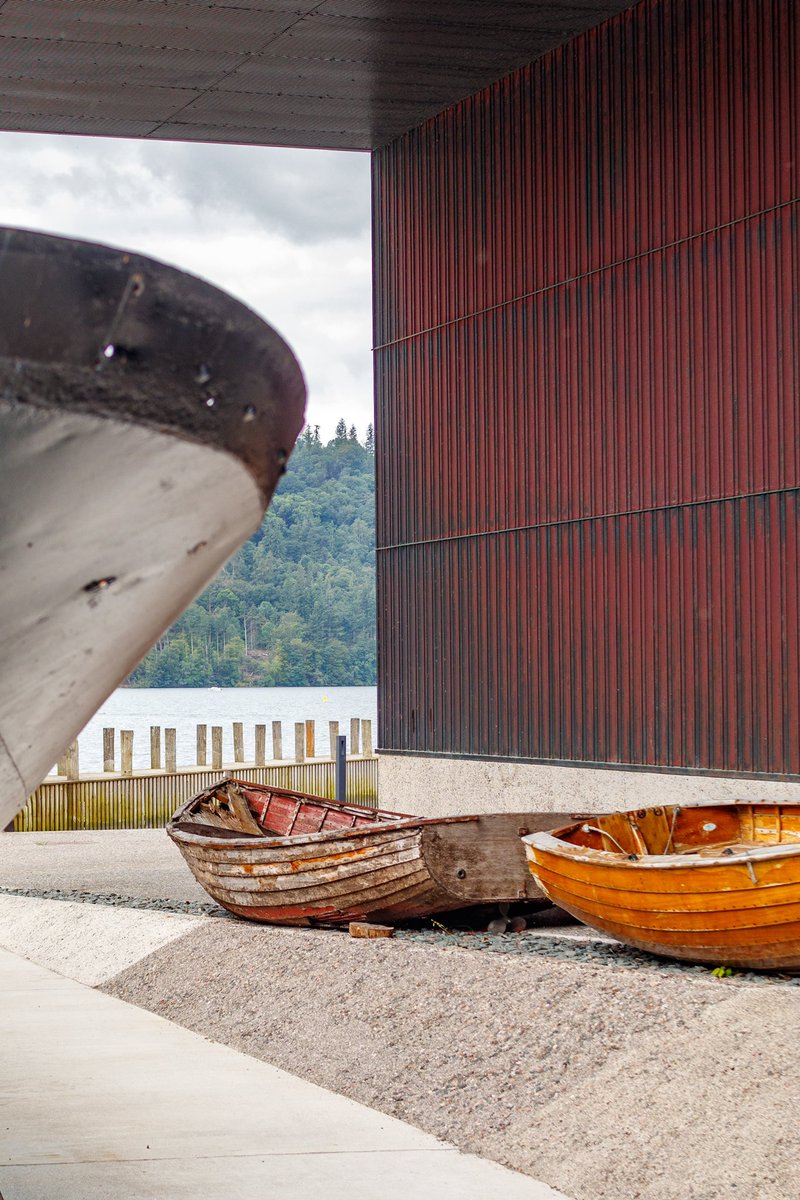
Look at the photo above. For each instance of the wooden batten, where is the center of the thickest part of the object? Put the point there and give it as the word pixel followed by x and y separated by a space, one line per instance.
pixel 170 751
pixel 216 747
pixel 238 742
pixel 72 762
pixel 126 751
pixel 365 929
pixel 109 736
pixel 333 734
pixel 366 737
pixel 155 747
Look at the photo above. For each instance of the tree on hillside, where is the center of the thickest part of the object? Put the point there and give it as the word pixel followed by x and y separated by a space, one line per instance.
pixel 296 604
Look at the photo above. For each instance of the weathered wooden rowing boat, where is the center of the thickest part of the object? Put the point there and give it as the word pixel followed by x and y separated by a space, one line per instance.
pixel 145 419
pixel 293 859
pixel 715 883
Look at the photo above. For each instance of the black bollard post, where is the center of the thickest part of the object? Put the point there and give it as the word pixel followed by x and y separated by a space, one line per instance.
pixel 341 769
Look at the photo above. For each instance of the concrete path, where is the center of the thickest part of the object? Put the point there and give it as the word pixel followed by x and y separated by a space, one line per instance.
pixel 90 943
pixel 101 1101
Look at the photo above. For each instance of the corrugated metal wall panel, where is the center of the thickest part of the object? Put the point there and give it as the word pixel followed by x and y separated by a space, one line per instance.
pixel 588 403
pixel 609 640
pixel 672 119
pixel 667 379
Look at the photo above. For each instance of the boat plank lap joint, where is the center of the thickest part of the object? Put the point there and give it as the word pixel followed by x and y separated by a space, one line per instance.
pixel 292 859
pixel 710 883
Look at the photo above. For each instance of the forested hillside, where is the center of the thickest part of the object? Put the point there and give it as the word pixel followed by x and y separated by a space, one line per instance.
pixel 296 605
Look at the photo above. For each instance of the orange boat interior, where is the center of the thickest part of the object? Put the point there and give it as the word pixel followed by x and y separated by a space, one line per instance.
pixel 671 829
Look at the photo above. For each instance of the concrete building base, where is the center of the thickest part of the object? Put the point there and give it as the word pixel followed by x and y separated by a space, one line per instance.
pixel 449 786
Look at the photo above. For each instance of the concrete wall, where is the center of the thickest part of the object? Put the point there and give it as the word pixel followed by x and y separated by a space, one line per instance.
pixel 448 786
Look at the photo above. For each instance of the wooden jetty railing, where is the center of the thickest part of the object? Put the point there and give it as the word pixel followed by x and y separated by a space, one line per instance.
pixel 129 799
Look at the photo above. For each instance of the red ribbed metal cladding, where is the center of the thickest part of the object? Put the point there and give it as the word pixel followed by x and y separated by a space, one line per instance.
pixel 668 379
pixel 672 119
pixel 607 640
pixel 588 375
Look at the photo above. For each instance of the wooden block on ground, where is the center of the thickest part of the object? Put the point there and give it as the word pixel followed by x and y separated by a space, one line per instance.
pixel 364 929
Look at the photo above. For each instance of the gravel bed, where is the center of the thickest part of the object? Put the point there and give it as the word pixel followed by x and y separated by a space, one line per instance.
pixel 596 951
pixel 540 942
pixel 194 908
pixel 606 1073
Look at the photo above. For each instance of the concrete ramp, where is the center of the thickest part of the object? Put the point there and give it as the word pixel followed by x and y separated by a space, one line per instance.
pixel 103 1099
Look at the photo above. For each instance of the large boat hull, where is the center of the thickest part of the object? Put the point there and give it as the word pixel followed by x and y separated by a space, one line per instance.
pixel 145 419
pixel 727 892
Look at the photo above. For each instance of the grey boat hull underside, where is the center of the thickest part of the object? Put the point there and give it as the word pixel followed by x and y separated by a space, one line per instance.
pixel 145 419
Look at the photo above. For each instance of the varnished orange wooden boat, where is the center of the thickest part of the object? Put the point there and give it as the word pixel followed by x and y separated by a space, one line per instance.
pixel 293 859
pixel 714 883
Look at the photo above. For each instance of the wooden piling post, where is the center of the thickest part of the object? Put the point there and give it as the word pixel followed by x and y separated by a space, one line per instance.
pixel 333 733
pixel 216 747
pixel 155 747
pixel 366 738
pixel 108 750
pixel 238 742
pixel 71 763
pixel 299 741
pixel 61 765
pixel 311 749
pixel 170 751
pixel 261 745
pixel 277 741
pixel 355 729
pixel 126 751
pixel 202 745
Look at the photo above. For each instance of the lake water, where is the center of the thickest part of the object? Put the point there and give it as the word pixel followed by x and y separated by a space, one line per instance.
pixel 184 708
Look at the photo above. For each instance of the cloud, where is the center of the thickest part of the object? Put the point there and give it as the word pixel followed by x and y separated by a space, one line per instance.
pixel 286 231
pixel 310 196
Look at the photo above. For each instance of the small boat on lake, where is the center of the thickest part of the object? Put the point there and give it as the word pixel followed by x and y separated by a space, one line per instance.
pixel 293 859
pixel 712 883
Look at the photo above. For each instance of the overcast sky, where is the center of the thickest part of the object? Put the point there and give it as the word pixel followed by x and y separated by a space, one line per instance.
pixel 286 231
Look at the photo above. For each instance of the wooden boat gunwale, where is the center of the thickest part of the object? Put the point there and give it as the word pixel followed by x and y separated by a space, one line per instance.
pixel 553 843
pixel 269 841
